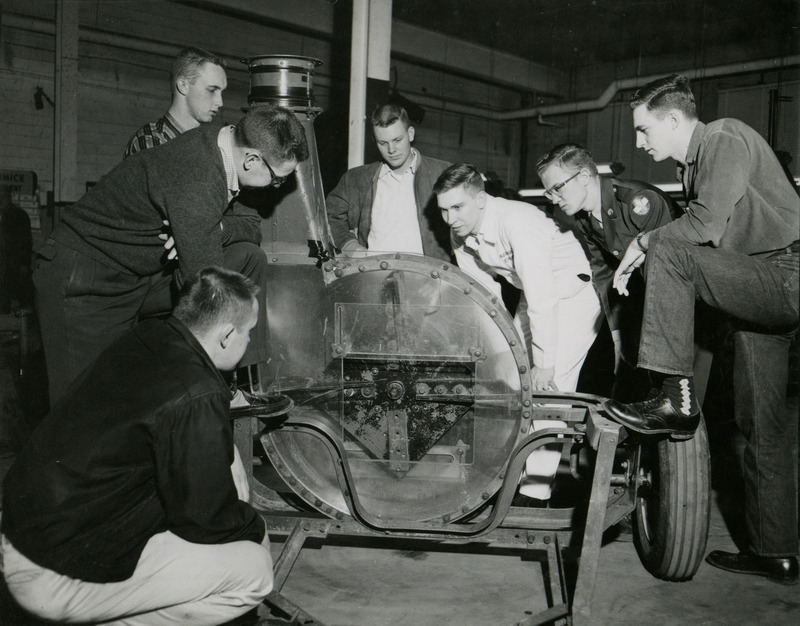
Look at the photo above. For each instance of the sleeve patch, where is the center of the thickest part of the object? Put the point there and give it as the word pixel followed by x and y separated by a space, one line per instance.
pixel 641 205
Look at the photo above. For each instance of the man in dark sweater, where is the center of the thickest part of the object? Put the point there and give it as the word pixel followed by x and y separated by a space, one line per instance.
pixel 104 267
pixel 130 500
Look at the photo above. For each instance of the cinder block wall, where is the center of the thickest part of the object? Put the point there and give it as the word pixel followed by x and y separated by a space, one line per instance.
pixel 123 83
pixel 126 49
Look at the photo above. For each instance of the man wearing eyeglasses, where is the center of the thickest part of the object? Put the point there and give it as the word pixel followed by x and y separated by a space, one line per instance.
pixel 104 267
pixel 608 214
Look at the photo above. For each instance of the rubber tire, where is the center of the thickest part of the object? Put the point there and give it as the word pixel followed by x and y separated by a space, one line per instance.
pixel 671 517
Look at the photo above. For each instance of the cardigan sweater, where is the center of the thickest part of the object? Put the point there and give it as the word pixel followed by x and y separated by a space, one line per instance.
pixel 118 221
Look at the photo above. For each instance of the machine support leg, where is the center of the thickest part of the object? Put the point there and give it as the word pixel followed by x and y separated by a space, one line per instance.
pixel 288 556
pixel 288 612
pixel 608 437
pixel 558 592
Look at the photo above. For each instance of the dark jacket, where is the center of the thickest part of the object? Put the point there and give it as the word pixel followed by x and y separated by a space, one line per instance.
pixel 738 195
pixel 141 444
pixel 629 207
pixel 349 206
pixel 240 223
pixel 118 221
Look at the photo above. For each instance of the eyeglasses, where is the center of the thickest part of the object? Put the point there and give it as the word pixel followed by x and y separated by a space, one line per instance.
pixel 555 190
pixel 276 181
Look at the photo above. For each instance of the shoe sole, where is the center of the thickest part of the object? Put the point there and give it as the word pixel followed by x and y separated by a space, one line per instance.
pixel 787 582
pixel 673 434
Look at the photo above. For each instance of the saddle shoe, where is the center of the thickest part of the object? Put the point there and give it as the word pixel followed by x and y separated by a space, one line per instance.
pixel 654 416
pixel 782 570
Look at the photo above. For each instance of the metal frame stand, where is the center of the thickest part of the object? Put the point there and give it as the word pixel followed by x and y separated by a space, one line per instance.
pixel 499 525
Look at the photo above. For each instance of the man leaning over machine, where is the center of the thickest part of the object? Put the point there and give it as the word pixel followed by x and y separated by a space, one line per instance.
pixel 608 214
pixel 129 502
pixel 104 267
pixel 558 314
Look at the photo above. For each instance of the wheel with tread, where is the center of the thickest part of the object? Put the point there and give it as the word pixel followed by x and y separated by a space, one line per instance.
pixel 671 517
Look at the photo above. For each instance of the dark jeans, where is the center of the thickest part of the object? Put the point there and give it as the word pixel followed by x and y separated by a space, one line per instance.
pixel 84 306
pixel 762 294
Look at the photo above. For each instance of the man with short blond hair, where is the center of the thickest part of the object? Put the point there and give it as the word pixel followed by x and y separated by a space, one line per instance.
pixel 130 501
pixel 388 206
pixel 197 81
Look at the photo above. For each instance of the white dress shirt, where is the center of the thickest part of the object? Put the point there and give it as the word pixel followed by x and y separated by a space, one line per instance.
pixel 519 242
pixel 394 224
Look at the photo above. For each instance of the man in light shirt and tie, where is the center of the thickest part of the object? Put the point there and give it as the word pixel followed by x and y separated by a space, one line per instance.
pixel 558 314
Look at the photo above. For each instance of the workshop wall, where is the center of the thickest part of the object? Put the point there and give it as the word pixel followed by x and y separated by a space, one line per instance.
pixel 608 133
pixel 126 49
pixel 124 82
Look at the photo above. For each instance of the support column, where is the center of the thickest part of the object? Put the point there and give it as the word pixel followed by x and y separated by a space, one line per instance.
pixel 370 66
pixel 65 136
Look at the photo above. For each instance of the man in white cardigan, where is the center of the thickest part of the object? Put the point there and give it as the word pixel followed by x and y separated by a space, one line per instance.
pixel 559 313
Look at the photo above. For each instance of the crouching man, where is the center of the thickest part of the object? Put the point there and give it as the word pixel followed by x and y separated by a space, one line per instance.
pixel 129 502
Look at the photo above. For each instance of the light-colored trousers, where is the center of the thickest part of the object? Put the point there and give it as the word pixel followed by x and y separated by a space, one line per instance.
pixel 175 582
pixel 579 319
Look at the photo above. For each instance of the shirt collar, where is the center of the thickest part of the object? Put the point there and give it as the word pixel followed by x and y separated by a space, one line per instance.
pixel 174 123
pixel 225 144
pixel 489 231
pixel 694 143
pixel 385 169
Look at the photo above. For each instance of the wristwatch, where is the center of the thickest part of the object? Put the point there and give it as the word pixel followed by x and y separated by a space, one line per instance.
pixel 639 242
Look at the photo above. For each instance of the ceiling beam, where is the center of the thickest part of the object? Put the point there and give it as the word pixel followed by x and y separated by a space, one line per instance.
pixel 410 43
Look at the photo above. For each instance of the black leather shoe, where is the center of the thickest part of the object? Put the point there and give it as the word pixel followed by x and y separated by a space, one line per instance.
pixel 780 570
pixel 654 416
pixel 520 499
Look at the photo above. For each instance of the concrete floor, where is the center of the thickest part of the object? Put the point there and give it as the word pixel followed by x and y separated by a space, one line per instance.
pixel 386 586
pixel 383 587
pixel 400 584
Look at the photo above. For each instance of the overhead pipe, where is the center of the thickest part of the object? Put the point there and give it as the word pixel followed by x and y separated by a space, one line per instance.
pixel 638 81
pixel 90 34
pixel 145 45
pixel 607 95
